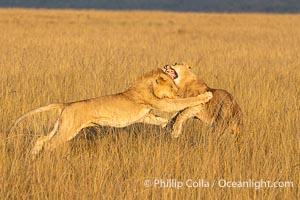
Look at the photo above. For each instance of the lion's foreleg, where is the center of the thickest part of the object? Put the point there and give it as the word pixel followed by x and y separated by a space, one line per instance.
pixel 155 120
pixel 171 105
pixel 182 117
pixel 173 119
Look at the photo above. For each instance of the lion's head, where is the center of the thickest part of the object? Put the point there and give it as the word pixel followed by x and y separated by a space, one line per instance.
pixel 157 84
pixel 179 72
pixel 164 87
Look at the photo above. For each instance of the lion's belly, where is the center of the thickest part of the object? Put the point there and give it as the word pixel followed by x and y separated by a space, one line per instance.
pixel 121 118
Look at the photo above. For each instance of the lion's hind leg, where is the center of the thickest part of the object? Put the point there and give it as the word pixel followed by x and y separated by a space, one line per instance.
pixel 65 133
pixel 230 122
pixel 39 144
pixel 237 126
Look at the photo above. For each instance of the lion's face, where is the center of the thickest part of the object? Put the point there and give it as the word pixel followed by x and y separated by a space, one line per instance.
pixel 164 87
pixel 179 72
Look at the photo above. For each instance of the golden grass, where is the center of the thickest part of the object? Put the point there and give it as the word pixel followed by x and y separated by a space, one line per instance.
pixel 58 56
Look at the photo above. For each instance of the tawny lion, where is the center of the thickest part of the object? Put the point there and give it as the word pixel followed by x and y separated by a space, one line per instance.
pixel 154 90
pixel 221 112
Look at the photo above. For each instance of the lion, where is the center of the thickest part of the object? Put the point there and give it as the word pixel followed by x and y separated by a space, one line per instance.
pixel 222 112
pixel 154 90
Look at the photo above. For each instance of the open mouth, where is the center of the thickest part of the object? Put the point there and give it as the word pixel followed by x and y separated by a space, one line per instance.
pixel 171 72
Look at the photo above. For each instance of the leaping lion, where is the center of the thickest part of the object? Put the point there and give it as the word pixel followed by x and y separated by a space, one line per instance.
pixel 154 90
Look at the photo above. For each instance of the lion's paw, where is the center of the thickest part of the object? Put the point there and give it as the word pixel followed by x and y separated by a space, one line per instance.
pixel 206 96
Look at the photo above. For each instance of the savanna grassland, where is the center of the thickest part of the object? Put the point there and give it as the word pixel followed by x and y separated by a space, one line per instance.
pixel 61 56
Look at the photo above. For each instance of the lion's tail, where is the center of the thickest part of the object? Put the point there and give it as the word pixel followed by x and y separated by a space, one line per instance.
pixel 58 106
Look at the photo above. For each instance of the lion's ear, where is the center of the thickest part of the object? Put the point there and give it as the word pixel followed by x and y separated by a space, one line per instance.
pixel 162 78
pixel 159 80
pixel 160 70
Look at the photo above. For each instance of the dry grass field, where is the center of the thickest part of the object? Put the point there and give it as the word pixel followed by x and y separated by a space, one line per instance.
pixel 60 56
